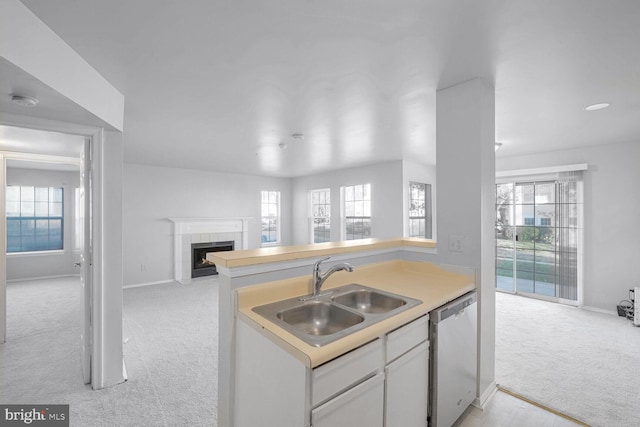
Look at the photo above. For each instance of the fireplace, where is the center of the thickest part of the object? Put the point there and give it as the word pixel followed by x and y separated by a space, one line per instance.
pixel 200 266
pixel 188 231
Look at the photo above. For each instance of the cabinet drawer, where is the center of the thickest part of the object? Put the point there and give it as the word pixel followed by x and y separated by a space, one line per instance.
pixel 339 374
pixel 361 406
pixel 405 338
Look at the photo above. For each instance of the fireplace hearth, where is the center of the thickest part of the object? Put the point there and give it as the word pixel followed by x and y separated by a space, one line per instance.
pixel 200 266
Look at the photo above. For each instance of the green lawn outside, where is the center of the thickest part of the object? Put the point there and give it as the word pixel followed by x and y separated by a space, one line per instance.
pixel 526 269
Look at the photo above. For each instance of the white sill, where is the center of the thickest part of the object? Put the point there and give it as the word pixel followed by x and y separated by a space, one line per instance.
pixel 269 245
pixel 35 253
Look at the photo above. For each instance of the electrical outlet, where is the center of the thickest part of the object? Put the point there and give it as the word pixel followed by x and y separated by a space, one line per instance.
pixel 455 243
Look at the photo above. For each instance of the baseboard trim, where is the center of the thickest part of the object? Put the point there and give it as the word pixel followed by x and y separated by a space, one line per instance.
pixel 28 279
pixel 480 402
pixel 599 310
pixel 140 285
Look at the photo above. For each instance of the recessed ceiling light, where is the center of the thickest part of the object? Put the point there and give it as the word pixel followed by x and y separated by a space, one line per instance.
pixel 283 145
pixel 594 107
pixel 25 101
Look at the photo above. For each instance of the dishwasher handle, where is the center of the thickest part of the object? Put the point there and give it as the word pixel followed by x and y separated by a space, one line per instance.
pixel 455 307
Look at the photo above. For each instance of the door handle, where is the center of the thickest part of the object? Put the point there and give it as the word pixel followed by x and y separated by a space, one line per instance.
pixel 77 264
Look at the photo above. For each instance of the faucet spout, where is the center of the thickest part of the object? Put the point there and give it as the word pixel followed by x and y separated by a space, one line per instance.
pixel 319 278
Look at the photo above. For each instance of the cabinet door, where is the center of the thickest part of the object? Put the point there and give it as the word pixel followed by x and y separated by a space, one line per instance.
pixel 360 406
pixel 407 389
pixel 343 372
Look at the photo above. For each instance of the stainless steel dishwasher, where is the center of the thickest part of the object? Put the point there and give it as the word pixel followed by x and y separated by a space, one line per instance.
pixel 454 349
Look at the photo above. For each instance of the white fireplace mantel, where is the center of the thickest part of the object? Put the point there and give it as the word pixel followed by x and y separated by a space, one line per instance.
pixel 199 230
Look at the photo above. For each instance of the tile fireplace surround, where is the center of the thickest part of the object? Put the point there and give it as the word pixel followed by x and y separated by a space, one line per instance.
pixel 201 230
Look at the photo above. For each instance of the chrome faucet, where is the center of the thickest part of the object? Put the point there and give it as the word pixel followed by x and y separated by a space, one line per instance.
pixel 319 278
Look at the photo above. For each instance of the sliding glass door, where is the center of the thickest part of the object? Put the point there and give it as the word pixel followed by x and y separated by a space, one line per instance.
pixel 505 238
pixel 536 244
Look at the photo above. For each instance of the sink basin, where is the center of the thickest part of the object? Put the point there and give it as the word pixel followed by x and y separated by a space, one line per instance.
pixel 335 313
pixel 319 318
pixel 368 301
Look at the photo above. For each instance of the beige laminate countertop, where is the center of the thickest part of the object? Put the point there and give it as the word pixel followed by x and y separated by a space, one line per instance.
pixel 231 259
pixel 425 281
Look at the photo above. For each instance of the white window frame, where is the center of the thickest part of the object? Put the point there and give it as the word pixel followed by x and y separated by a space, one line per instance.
pixel 35 217
pixel 552 174
pixel 312 211
pixel 343 214
pixel 427 217
pixel 263 217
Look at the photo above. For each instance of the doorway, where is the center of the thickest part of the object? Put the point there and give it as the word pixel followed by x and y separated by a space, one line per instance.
pixel 43 198
pixel 537 238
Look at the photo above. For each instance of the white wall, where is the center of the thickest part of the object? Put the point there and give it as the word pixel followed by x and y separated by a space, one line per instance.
pixel 612 214
pixel 465 121
pixel 32 46
pixel 153 194
pixel 386 199
pixel 107 217
pixel 32 266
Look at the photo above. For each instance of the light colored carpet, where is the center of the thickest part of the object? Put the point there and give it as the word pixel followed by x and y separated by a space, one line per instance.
pixel 171 354
pixel 581 363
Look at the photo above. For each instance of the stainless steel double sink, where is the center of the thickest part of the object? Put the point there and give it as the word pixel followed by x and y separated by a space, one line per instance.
pixel 335 313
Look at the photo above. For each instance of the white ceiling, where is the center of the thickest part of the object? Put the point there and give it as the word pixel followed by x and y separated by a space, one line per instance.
pixel 62 151
pixel 52 105
pixel 217 85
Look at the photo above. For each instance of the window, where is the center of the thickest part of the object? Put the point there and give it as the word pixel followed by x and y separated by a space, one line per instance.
pixel 270 218
pixel 34 218
pixel 357 211
pixel 537 236
pixel 419 210
pixel 320 215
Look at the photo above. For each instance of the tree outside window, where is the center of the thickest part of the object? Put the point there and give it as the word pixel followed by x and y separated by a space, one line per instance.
pixel 320 215
pixel 357 211
pixel 420 210
pixel 270 218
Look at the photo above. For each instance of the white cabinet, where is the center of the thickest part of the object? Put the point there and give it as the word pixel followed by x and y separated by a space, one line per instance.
pixel 382 383
pixel 343 372
pixel 407 337
pixel 360 406
pixel 407 384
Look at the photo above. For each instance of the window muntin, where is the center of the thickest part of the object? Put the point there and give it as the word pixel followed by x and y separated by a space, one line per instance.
pixel 357 211
pixel 270 218
pixel 34 218
pixel 320 215
pixel 537 238
pixel 420 210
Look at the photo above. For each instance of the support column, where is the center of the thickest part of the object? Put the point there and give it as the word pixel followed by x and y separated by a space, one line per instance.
pixel 107 363
pixel 465 177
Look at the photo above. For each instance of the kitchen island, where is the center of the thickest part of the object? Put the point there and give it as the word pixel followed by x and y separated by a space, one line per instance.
pixel 257 277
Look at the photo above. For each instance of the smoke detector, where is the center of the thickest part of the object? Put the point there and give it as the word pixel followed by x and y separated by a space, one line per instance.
pixel 25 101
